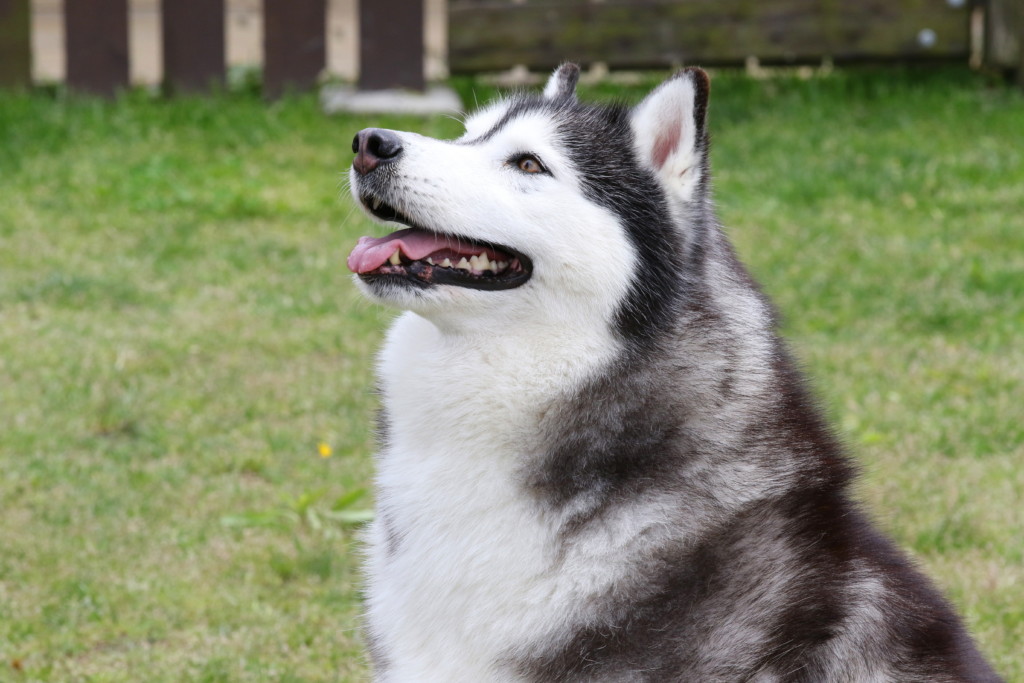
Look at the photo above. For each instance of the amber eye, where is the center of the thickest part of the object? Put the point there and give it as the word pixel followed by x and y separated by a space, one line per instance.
pixel 529 164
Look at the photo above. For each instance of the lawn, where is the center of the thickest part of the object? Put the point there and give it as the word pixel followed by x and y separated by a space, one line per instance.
pixel 185 366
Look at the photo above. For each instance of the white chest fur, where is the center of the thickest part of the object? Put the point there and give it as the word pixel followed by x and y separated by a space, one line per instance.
pixel 463 564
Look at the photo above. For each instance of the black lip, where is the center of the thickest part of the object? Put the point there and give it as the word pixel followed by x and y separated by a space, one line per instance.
pixel 421 275
pixel 384 211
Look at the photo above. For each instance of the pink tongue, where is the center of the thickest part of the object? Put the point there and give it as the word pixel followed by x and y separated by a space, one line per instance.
pixel 373 252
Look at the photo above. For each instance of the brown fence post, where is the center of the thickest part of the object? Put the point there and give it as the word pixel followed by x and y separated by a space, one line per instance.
pixel 1004 36
pixel 15 45
pixel 193 44
pixel 294 44
pixel 391 44
pixel 1020 51
pixel 97 45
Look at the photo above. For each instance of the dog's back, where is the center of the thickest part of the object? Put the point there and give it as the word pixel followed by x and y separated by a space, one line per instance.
pixel 598 462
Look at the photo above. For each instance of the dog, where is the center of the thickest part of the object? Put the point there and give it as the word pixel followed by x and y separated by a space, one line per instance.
pixel 597 459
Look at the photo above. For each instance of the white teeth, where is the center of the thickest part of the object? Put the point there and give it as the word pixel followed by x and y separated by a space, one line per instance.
pixel 482 263
pixel 447 263
pixel 463 264
pixel 395 259
pixel 500 266
pixel 430 260
pixel 376 204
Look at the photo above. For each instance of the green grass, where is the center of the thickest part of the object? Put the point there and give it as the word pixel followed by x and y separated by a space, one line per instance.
pixel 179 335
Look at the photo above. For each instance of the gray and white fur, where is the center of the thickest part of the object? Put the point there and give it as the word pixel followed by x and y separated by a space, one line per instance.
pixel 598 461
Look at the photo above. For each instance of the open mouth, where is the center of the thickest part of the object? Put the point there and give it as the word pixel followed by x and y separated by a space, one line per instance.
pixel 423 257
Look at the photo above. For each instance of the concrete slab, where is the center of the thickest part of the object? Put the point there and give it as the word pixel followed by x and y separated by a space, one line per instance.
pixel 437 99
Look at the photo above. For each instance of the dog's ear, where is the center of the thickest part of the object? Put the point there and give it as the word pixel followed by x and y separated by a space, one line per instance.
pixel 669 131
pixel 562 84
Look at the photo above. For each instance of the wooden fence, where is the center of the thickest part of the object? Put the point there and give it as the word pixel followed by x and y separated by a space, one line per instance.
pixel 488 35
pixel 491 34
pixel 193 44
pixel 1003 32
pixel 15 46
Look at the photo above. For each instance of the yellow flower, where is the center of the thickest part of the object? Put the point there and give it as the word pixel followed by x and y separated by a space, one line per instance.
pixel 324 450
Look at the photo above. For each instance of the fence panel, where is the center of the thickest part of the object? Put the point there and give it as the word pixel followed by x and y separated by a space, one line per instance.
pixel 294 44
pixel 1004 36
pixel 97 45
pixel 497 34
pixel 193 44
pixel 15 43
pixel 391 44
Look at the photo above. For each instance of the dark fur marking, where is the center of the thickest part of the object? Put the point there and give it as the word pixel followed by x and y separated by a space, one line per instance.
pixel 382 424
pixel 622 440
pixel 664 635
pixel 378 656
pixel 392 534
pixel 598 141
pixel 517 107
pixel 626 436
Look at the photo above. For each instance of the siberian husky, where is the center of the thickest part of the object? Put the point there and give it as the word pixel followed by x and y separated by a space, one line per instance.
pixel 597 461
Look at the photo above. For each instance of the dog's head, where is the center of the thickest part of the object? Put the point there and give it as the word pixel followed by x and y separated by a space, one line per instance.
pixel 546 209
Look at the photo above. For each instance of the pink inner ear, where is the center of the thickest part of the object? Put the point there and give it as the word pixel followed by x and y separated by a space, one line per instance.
pixel 665 144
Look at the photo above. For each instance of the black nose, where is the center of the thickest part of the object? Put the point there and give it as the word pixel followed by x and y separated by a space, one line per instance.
pixel 374 146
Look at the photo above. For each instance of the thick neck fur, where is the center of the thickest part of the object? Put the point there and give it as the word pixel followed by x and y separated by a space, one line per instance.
pixel 527 454
pixel 538 395
pixel 694 395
